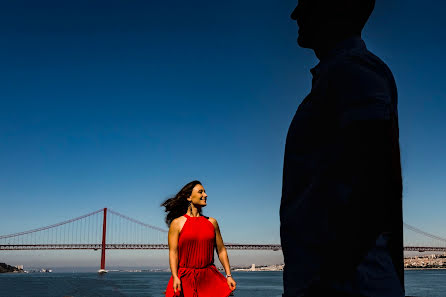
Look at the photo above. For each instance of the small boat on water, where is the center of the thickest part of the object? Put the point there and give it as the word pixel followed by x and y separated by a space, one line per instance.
pixel 102 271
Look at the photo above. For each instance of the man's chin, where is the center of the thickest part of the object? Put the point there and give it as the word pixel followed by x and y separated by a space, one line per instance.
pixel 304 42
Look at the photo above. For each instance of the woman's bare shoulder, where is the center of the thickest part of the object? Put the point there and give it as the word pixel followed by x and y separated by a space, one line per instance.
pixel 178 223
pixel 213 221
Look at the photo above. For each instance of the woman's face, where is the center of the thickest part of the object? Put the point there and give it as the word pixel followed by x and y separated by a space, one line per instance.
pixel 198 196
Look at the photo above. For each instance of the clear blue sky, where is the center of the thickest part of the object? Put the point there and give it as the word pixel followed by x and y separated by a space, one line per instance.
pixel 119 103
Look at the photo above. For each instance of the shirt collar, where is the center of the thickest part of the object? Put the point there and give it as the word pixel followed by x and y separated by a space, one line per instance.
pixel 348 44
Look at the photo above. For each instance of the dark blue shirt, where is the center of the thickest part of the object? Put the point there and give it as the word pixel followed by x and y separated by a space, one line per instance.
pixel 341 210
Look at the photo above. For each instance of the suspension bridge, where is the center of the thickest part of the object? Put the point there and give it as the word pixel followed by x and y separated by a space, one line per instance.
pixel 106 229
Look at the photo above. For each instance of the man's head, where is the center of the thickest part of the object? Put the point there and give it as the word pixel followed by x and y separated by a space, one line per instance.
pixel 322 20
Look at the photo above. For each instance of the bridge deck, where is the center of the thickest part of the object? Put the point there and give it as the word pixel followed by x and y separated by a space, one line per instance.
pixel 123 246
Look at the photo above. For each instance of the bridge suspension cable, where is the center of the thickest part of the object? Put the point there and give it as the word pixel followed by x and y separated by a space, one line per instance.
pixel 136 221
pixel 50 226
pixel 412 228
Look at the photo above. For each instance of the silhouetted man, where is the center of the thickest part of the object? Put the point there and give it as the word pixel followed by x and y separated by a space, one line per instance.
pixel 341 209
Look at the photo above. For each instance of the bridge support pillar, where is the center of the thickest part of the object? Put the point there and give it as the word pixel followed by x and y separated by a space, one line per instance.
pixel 104 231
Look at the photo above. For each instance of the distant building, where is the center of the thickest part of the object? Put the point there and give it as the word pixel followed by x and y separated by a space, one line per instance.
pixel 253 267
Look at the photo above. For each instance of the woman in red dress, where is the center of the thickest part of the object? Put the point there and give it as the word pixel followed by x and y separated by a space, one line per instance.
pixel 192 239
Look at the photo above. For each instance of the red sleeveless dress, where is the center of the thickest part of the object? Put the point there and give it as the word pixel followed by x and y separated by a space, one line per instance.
pixel 197 272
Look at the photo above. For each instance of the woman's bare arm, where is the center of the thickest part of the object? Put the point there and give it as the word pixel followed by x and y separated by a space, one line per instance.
pixel 222 253
pixel 173 235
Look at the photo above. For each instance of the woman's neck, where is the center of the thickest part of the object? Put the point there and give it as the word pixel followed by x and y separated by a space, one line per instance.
pixel 193 211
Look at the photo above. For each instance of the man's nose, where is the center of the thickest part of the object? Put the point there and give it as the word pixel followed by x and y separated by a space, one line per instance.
pixel 294 14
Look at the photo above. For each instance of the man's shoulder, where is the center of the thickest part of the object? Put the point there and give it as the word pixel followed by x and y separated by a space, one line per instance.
pixel 361 74
pixel 364 63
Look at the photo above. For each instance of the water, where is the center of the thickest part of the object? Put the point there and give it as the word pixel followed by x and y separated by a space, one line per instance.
pixel 427 283
pixel 147 284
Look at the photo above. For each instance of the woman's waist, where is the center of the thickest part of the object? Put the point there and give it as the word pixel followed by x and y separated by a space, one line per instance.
pixel 194 267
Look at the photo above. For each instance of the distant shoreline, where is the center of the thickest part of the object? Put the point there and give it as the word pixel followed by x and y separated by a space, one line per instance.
pixel 5 268
pixel 429 268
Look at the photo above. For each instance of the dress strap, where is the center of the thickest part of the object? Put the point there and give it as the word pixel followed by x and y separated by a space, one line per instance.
pixel 187 216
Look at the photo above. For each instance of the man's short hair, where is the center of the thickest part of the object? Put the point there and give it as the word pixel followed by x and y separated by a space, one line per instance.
pixel 364 9
pixel 355 11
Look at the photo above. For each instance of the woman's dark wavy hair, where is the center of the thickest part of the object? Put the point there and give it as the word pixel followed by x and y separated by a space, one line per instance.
pixel 178 205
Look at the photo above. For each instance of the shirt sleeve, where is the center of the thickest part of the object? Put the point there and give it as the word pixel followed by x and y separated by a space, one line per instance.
pixel 363 174
pixel 361 93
